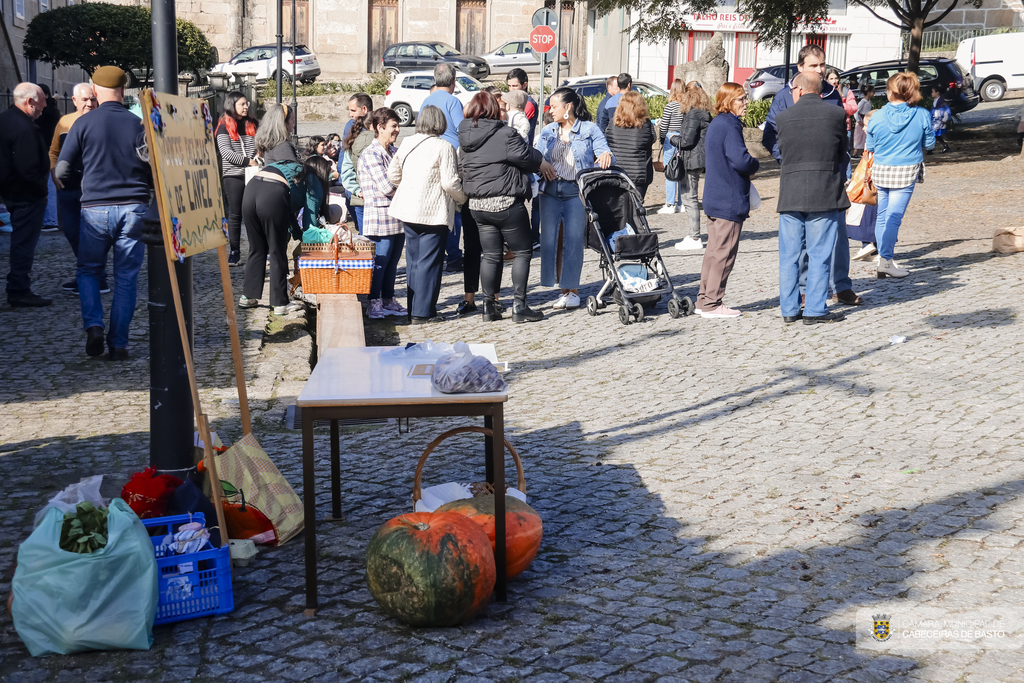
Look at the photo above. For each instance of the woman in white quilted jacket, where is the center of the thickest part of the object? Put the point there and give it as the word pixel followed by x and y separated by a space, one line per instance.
pixel 426 174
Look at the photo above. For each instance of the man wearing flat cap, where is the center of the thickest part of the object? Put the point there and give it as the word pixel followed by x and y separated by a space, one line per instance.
pixel 116 185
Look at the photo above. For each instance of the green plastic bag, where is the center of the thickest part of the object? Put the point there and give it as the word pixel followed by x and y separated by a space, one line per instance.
pixel 68 602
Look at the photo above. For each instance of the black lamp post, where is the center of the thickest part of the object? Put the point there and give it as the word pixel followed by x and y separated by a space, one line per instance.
pixel 280 46
pixel 170 397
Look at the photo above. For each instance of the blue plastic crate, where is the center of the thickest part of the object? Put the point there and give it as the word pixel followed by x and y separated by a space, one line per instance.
pixel 194 584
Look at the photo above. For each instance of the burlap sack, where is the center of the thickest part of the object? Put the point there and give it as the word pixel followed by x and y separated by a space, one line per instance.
pixel 1008 240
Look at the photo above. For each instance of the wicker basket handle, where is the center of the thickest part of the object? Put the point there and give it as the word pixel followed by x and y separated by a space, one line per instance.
pixel 416 482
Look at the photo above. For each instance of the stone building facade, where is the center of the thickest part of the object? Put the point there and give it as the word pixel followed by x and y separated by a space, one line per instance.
pixel 993 14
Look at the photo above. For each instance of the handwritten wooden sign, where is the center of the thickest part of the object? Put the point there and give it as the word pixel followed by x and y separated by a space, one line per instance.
pixel 183 155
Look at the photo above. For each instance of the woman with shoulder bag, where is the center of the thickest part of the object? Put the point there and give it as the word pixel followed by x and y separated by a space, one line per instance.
pixel 496 166
pixel 426 173
pixel 236 144
pixel 897 134
pixel 271 203
pixel 671 120
pixel 696 108
pixel 631 139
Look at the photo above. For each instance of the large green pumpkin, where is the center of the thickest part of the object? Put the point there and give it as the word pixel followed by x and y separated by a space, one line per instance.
pixel 523 527
pixel 430 568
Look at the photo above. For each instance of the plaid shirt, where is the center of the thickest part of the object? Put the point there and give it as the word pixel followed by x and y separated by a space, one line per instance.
pixel 896 177
pixel 377 191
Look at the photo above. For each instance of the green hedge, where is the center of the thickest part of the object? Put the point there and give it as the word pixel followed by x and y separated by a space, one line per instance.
pixel 376 85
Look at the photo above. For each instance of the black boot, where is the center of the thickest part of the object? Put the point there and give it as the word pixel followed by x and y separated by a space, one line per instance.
pixel 490 312
pixel 521 313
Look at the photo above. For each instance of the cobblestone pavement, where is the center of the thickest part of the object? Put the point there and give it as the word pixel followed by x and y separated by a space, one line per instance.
pixel 722 500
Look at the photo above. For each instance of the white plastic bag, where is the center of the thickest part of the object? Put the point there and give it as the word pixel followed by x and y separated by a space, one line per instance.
pixel 67 500
pixel 425 349
pixel 460 372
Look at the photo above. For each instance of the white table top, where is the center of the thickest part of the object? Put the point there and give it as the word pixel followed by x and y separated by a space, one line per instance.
pixel 370 376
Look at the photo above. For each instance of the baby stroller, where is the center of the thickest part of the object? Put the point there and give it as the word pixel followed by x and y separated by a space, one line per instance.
pixel 613 203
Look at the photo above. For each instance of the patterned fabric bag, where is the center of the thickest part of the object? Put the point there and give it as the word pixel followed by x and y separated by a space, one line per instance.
pixel 250 469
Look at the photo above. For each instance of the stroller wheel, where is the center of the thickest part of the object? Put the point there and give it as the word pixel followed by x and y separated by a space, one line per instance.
pixel 674 309
pixel 592 305
pixel 638 312
pixel 623 315
pixel 687 306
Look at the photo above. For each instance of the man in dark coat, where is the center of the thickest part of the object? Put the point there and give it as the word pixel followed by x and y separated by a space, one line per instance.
pixel 24 168
pixel 812 144
pixel 811 60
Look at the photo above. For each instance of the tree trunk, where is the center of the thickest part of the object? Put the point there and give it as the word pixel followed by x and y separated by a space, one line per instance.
pixel 916 39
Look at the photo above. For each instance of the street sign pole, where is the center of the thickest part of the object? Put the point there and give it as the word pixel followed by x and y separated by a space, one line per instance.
pixel 558 45
pixel 170 401
pixel 549 18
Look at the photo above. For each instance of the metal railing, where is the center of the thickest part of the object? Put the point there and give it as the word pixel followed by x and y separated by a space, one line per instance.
pixel 64 103
pixel 947 40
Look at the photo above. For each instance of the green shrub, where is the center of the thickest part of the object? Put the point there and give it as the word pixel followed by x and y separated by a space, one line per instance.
pixel 656 105
pixel 757 113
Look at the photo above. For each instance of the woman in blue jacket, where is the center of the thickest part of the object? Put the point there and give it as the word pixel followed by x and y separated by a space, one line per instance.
pixel 570 144
pixel 728 169
pixel 897 135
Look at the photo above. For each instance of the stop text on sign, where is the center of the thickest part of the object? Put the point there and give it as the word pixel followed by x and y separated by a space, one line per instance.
pixel 542 39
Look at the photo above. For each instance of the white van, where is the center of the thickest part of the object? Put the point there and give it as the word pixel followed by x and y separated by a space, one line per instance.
pixel 998 63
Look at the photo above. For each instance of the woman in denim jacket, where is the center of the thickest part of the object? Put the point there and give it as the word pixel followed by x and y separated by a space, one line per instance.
pixel 572 143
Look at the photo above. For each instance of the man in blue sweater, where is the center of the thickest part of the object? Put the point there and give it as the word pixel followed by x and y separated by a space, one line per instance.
pixel 116 186
pixel 812 60
pixel 606 108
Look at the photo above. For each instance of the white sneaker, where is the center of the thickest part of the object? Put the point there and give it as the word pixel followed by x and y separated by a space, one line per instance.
pixel 572 300
pixel 376 310
pixel 394 308
pixel 865 253
pixel 689 244
pixel 559 303
pixel 720 312
pixel 668 208
pixel 290 308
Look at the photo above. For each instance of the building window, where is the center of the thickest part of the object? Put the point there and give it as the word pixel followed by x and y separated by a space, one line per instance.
pixel 19 9
pixel 837 7
pixel 44 5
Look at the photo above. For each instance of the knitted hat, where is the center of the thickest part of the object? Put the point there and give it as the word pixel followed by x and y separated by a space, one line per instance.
pixel 515 98
pixel 109 77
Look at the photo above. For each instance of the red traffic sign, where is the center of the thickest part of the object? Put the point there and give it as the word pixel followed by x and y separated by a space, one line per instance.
pixel 542 39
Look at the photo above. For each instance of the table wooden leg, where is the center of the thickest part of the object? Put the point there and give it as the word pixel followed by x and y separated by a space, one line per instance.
pixel 335 473
pixel 488 447
pixel 309 499
pixel 498 463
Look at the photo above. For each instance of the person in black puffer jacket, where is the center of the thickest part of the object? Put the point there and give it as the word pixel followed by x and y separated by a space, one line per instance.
pixel 696 108
pixel 631 138
pixel 496 166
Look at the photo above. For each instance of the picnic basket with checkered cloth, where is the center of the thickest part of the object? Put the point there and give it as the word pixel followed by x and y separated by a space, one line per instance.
pixel 343 265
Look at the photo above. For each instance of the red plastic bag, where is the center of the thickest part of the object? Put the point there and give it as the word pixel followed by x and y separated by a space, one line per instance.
pixel 147 493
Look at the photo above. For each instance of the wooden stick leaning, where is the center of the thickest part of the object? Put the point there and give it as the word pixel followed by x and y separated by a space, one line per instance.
pixel 236 346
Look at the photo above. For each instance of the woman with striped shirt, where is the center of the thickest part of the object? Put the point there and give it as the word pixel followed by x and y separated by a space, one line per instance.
pixel 671 120
pixel 236 143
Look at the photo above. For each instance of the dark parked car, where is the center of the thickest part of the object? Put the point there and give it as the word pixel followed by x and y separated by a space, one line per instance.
pixel 402 57
pixel 959 86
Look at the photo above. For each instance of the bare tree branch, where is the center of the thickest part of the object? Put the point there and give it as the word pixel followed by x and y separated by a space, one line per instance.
pixel 878 16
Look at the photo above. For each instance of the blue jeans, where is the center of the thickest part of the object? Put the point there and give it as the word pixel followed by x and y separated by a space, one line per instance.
pixel 892 204
pixel 560 203
pixel 103 227
pixel 69 215
pixel 811 236
pixel 385 265
pixel 451 248
pixel 424 266
pixel 26 223
pixel 50 217
pixel 839 274
pixel 672 196
pixel 357 211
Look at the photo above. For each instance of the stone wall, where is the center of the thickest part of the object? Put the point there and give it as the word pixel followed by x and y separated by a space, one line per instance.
pixel 329 107
pixel 991 14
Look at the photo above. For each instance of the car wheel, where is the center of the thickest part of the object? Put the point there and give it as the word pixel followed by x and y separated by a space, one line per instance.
pixel 285 77
pixel 405 115
pixel 993 90
pixel 548 69
pixel 390 74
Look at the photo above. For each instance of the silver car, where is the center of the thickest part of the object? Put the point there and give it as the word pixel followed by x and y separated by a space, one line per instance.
pixel 766 82
pixel 517 53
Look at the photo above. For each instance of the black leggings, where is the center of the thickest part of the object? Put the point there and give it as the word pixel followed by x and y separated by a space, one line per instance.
pixel 234 189
pixel 496 228
pixel 266 208
pixel 471 255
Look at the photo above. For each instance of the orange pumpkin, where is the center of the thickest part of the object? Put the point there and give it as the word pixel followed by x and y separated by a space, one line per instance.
pixel 430 568
pixel 523 527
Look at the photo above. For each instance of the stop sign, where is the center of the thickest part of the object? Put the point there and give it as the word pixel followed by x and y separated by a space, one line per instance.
pixel 542 39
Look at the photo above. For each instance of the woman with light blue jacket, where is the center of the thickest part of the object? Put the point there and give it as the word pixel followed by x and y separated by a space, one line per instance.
pixel 897 135
pixel 570 144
